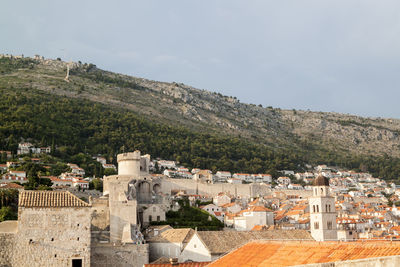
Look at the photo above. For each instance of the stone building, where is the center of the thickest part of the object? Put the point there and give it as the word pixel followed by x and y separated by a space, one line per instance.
pixel 53 229
pixel 130 193
pixel 56 228
pixel 322 211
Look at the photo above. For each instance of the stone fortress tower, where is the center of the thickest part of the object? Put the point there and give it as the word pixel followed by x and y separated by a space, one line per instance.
pixel 130 194
pixel 322 211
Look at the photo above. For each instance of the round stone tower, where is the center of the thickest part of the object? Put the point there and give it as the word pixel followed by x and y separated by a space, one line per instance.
pixel 129 163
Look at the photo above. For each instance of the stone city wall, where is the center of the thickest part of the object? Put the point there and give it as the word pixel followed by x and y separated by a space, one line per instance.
pixel 127 255
pixel 246 190
pixel 193 187
pixel 52 237
pixel 6 249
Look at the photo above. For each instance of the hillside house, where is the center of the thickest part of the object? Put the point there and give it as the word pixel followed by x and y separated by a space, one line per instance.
pixel 252 216
pixel 284 180
pixel 221 199
pixel 169 243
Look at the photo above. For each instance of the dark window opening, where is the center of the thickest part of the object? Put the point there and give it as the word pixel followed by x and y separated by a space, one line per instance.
pixel 158 218
pixel 55 255
pixel 77 239
pixel 150 218
pixel 52 239
pixel 77 263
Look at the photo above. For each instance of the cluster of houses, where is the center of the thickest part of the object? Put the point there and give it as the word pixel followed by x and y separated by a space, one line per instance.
pixel 361 201
pixel 218 177
pixel 104 163
pixel 28 148
pixel 74 178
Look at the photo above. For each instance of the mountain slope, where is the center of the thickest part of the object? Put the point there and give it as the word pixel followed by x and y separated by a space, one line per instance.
pixel 331 137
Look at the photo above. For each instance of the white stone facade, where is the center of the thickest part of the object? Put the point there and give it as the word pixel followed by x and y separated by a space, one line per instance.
pixel 322 215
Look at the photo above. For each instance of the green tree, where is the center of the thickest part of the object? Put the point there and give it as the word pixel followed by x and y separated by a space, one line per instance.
pixel 6 213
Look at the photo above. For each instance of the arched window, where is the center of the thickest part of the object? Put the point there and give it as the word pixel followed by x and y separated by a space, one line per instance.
pixel 322 190
pixel 317 208
pixel 313 208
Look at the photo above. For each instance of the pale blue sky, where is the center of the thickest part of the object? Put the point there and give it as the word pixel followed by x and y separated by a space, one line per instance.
pixel 339 55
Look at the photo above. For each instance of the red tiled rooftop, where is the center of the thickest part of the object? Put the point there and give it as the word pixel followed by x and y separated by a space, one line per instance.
pixel 185 264
pixel 269 253
pixel 49 199
pixel 11 186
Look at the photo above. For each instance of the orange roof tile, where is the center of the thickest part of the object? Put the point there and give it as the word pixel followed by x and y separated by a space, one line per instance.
pixel 270 253
pixel 185 264
pixel 49 199
pixel 11 186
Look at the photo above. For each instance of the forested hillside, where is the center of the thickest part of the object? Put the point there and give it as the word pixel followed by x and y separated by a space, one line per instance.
pixel 99 112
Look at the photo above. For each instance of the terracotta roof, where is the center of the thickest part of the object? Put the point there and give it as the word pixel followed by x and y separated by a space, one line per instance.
pixel 182 235
pixel 11 186
pixel 219 242
pixel 185 264
pixel 259 228
pixel 289 253
pixel 227 205
pixel 50 199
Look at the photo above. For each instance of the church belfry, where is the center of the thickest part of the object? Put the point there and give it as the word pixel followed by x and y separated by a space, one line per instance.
pixel 322 211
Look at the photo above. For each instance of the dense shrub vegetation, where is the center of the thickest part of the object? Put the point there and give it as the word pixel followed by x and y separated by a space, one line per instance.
pixel 79 127
pixel 8 204
pixel 191 217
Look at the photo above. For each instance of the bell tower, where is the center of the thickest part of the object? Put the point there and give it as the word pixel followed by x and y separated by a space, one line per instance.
pixel 322 211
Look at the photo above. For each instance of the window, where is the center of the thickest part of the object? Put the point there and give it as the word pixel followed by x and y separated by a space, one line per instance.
pixel 317 208
pixel 150 218
pixel 322 190
pixel 350 233
pixel 158 218
pixel 313 207
pixel 329 224
pixel 76 262
pixel 316 225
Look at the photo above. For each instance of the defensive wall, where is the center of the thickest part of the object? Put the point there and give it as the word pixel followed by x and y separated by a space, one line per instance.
pixel 124 255
pixel 247 190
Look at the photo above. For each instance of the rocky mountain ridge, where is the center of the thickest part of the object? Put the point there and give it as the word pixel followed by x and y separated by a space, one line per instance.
pixel 201 110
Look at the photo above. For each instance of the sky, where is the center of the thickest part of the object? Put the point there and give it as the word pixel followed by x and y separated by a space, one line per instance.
pixel 339 55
